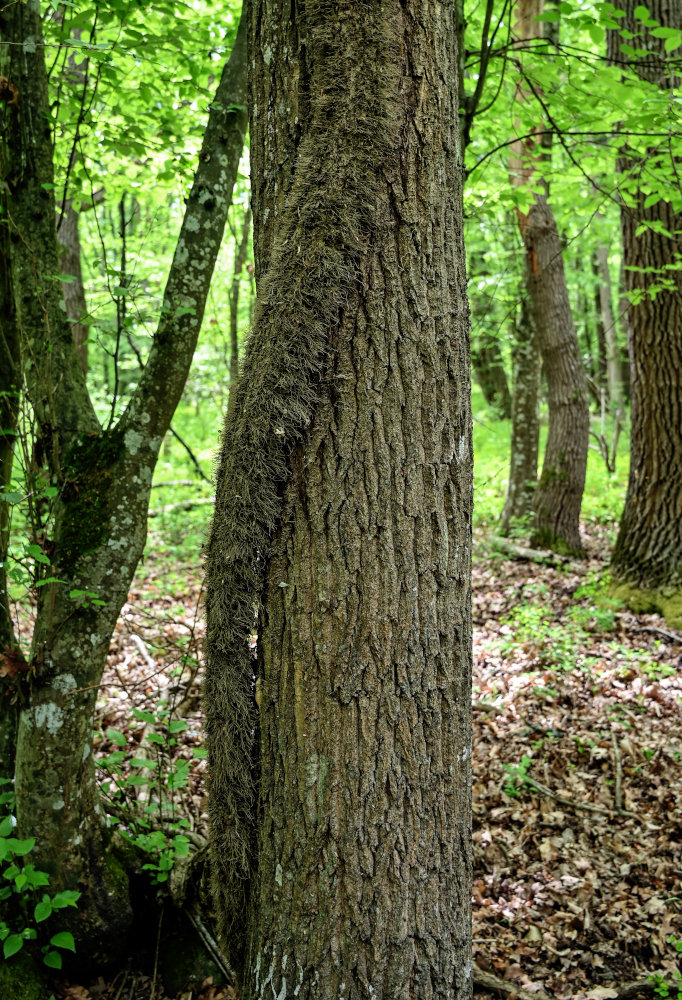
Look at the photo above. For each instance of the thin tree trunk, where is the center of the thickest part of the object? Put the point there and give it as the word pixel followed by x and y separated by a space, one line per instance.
pixel 647 559
pixel 10 390
pixel 559 493
pixel 613 364
pixel 103 476
pixel 241 253
pixel 488 368
pixel 73 290
pixel 523 462
pixel 343 500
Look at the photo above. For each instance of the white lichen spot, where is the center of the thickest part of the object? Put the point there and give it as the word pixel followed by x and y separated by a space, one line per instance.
pixel 181 252
pixel 192 224
pixel 144 418
pixel 87 750
pixel 133 441
pixel 279 880
pixel 96 640
pixel 58 804
pixel 64 683
pixel 49 716
pixel 463 448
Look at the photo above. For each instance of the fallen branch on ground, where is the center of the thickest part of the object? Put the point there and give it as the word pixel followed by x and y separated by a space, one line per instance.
pixel 628 991
pixel 515 551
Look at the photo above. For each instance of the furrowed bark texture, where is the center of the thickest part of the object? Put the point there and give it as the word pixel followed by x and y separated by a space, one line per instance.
pixel 241 253
pixel 103 476
pixel 523 461
pixel 648 551
pixel 343 500
pixel 558 496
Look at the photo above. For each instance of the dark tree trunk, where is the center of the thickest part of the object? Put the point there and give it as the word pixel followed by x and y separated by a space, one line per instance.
pixel 103 476
pixel 488 367
pixel 559 493
pixel 647 558
pixel 523 462
pixel 614 379
pixel 343 500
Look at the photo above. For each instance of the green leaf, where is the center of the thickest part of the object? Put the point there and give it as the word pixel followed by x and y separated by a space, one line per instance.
pixel 12 945
pixel 200 753
pixel 641 13
pixel 116 736
pixel 22 847
pixel 68 897
pixel 11 496
pixel 21 880
pixel 177 726
pixel 64 939
pixel 53 959
pixel 49 579
pixel 6 826
pixel 38 554
pixel 51 492
pixel 42 910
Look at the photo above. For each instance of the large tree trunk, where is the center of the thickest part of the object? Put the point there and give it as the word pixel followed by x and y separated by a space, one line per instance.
pixel 343 501
pixel 523 460
pixel 103 476
pixel 559 493
pixel 647 559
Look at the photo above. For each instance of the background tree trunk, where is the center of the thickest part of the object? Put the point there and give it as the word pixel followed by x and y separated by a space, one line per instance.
pixel 10 395
pixel 488 367
pixel 559 493
pixel 68 237
pixel 523 462
pixel 241 253
pixel 647 558
pixel 352 519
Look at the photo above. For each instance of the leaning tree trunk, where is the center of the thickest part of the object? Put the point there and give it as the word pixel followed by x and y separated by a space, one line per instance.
pixel 559 493
pixel 103 476
pixel 523 461
pixel 340 805
pixel 647 559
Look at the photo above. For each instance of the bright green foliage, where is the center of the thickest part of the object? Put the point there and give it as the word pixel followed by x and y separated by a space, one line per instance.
pixel 24 907
pixel 152 827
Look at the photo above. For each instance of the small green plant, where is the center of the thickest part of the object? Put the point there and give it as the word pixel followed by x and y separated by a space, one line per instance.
pixel 158 771
pixel 517 777
pixel 666 989
pixel 27 905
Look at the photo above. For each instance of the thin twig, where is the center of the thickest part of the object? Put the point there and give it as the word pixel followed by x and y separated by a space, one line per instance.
pixel 156 956
pixel 602 810
pixel 618 790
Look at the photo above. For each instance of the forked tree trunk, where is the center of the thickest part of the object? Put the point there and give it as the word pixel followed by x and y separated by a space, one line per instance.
pixel 559 493
pixel 343 500
pixel 523 461
pixel 647 559
pixel 103 476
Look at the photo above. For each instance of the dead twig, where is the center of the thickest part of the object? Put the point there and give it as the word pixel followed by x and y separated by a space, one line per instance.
pixel 618 788
pixel 514 551
pixel 627 991
pixel 602 810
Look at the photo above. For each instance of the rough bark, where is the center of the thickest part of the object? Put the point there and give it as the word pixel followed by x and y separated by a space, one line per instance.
pixel 648 551
pixel 559 493
pixel 343 501
pixel 523 461
pixel 103 475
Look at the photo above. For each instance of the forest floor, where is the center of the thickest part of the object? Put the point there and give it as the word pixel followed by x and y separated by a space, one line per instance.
pixel 577 794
